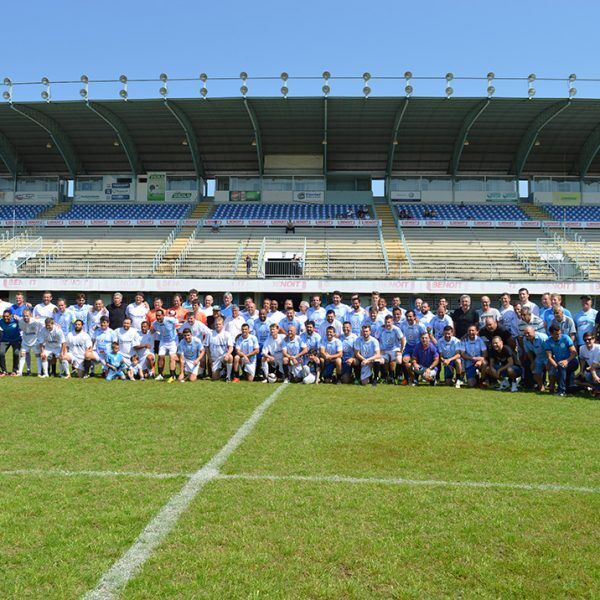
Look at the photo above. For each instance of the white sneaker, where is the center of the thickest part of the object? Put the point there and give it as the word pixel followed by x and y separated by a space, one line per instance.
pixel 458 384
pixel 514 387
pixel 286 380
pixel 158 378
pixel 504 385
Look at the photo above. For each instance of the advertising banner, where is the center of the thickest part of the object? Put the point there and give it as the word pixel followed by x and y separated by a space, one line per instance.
pixel 115 188
pixel 405 196
pixel 181 196
pixel 35 197
pixel 501 196
pixel 283 222
pixel 316 197
pixel 157 185
pixel 566 198
pixel 244 196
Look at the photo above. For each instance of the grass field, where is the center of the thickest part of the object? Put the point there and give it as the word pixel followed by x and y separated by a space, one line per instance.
pixel 332 492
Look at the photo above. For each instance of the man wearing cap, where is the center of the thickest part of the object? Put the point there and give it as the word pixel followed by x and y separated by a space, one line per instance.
pixel 585 319
pixel 562 359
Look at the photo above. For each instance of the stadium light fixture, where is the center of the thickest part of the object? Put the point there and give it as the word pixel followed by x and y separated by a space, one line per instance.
pixel 123 93
pixel 491 90
pixel 116 143
pixel 46 91
pixel 83 92
pixel 184 142
pixel 408 88
pixel 203 89
pixel 48 145
pixel 244 88
pixel 163 90
pixel 285 90
pixel 449 89
pixel 7 94
pixel 530 88
pixel 572 88
pixel 326 89
pixel 366 89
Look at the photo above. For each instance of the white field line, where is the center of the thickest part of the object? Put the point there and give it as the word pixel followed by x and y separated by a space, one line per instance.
pixel 65 473
pixel 536 487
pixel 113 581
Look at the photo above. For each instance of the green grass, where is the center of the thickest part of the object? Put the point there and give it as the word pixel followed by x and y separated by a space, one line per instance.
pixel 295 539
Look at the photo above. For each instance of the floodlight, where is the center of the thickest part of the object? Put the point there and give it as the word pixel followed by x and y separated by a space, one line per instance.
pixel 531 92
pixel 531 77
pixel 449 77
pixel 572 92
pixel 326 89
pixel 203 92
pixel 253 141
pixel 184 142
pixel 466 143
pixel 123 79
pixel 7 81
pixel 284 77
pixel 123 94
pixel 284 90
pixel 490 76
pixel 449 92
pixel 83 93
pixel 45 81
pixel 163 77
pixel 537 143
pixel 366 91
pixel 6 95
pixel 572 77
pixel 163 91
pixel 326 75
pixel 203 77
pixel 45 95
pixel 243 76
pixel 84 79
pixel 244 90
pixel 407 75
pixel 408 90
pixel 491 90
pixel 366 76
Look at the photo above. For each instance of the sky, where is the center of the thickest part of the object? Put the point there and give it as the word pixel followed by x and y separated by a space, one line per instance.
pixel 64 39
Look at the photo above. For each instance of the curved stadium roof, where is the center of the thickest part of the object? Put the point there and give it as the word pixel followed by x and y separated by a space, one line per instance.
pixel 461 136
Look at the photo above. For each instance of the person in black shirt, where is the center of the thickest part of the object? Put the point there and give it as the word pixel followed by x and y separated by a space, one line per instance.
pixel 463 317
pixel 116 311
pixel 501 366
pixel 491 330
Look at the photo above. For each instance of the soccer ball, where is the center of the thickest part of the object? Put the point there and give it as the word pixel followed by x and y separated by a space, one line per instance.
pixel 271 378
pixel 310 378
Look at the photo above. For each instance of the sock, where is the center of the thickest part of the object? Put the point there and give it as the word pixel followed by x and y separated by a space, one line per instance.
pixel 65 366
pixel 39 365
pixel 21 364
pixel 45 368
pixel 286 371
pixel 265 369
pixel 172 372
pixel 86 366
pixel 229 368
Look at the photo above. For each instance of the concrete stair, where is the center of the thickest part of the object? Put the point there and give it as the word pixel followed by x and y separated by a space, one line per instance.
pixel 54 211
pixel 398 262
pixel 535 212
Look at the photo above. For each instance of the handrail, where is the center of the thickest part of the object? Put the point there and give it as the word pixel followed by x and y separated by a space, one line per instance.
pixel 409 258
pixel 386 261
pixel 238 257
pixel 166 245
pixel 260 267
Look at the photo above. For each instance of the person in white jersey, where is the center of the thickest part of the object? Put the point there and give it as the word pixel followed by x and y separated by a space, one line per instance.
pixel 51 344
pixel 137 312
pixel 30 331
pixel 77 345
pixel 191 353
pixel 220 347
pixel 272 354
pixel 128 339
pixel 246 351
pixel 45 308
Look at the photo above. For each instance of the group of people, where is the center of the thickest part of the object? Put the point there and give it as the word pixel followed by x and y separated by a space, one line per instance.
pixel 513 346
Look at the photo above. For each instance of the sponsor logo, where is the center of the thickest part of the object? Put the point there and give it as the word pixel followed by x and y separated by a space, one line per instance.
pixel 182 196
pixel 296 285
pixel 446 285
pixel 21 196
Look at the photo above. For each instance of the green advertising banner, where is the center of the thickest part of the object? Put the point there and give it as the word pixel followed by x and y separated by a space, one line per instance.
pixel 156 187
pixel 244 196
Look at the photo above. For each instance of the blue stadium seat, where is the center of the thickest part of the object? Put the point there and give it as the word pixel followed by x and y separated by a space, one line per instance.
pixel 285 211
pixel 126 211
pixel 477 212
pixel 574 213
pixel 21 212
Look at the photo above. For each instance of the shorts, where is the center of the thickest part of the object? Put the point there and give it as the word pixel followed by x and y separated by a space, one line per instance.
pixel 296 371
pixel 190 367
pixel 409 349
pixel 367 370
pixel 25 350
pixel 99 356
pixel 449 369
pixel 539 365
pixel 144 361
pixel 52 352
pixel 216 364
pixel 328 368
pixel 76 361
pixel 167 348
pixel 249 368
pixel 345 367
pixel 588 377
pixel 421 371
pixel 390 355
pixel 471 372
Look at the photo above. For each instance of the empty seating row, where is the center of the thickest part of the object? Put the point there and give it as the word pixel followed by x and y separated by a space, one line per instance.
pixel 477 212
pixel 574 213
pixel 21 211
pixel 291 211
pixel 126 211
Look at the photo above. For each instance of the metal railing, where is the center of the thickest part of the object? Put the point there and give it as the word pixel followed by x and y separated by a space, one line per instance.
pixel 554 258
pixel 260 267
pixel 166 245
pixel 49 257
pixel 10 243
pixel 90 268
pixel 386 260
pixel 238 258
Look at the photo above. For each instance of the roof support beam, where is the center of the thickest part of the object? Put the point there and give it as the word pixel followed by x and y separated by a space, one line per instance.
pixel 532 133
pixel 57 134
pixel 190 136
pixel 588 153
pixel 324 141
pixel 257 138
pixel 394 140
pixel 10 157
pixel 459 143
pixel 125 140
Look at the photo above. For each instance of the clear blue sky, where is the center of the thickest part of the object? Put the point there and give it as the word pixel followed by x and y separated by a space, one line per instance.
pixel 63 39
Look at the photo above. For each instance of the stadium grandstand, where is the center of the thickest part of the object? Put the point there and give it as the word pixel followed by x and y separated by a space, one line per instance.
pixel 106 194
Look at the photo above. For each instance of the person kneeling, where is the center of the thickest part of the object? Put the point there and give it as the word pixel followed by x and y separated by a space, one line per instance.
pixel 500 367
pixel 425 360
pixel 115 363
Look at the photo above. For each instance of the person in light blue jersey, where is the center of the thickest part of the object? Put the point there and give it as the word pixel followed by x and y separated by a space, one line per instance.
pixel 288 321
pixel 412 332
pixel 64 317
pixel 534 346
pixel 316 312
pixel 349 364
pixel 312 340
pixel 356 315
pixel 102 341
pixel 562 360
pixel 585 319
pixel 474 354
pixel 331 351
pixel 115 364
pixel 330 321
pixel 293 351
pixel 373 323
pixel 368 356
pixel 450 360
pixel 79 310
pixel 191 353
pixel 246 351
pixel 438 324
pixel 337 306
pixel 555 302
pixel 166 330
pixel 391 342
pixel 566 324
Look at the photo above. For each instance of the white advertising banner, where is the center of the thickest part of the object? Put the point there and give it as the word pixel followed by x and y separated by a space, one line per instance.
pixel 405 196
pixel 296 222
pixel 115 188
pixel 35 197
pixel 311 197
pixel 181 196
